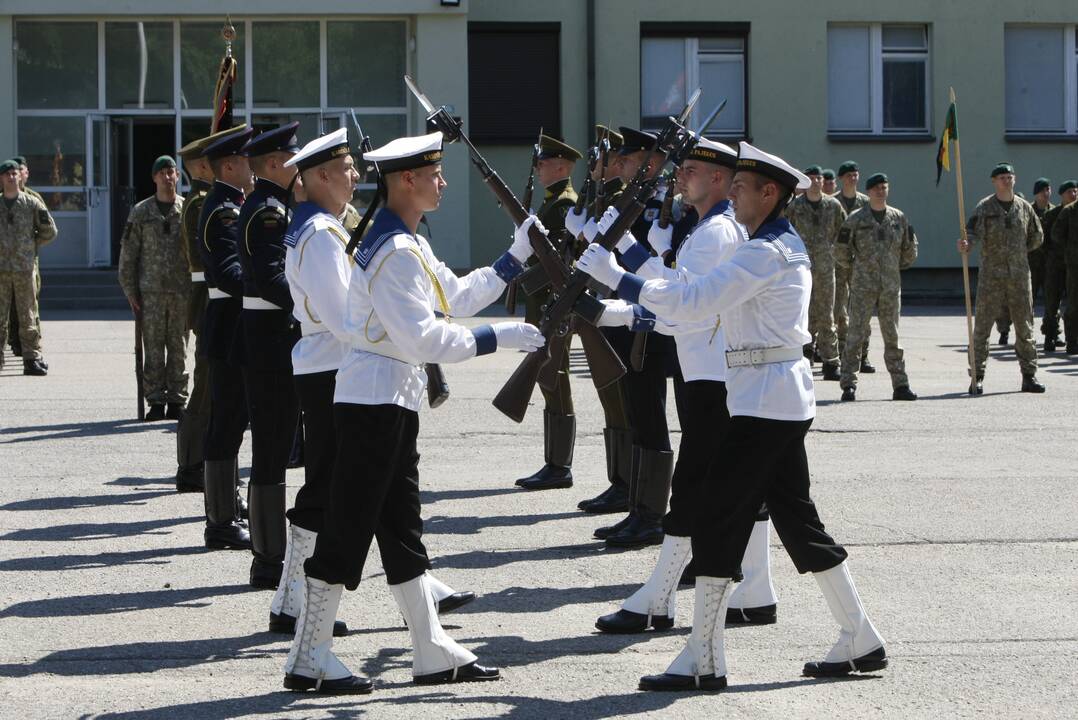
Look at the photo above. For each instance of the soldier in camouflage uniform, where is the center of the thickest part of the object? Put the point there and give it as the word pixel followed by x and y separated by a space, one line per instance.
pixel 818 219
pixel 25 225
pixel 13 319
pixel 848 175
pixel 1056 276
pixel 1007 228
pixel 155 278
pixel 1064 229
pixel 830 182
pixel 1042 203
pixel 876 243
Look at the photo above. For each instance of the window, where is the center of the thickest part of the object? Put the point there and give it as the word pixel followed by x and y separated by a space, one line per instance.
pixel 285 69
pixel 673 67
pixel 138 64
pixel 367 61
pixel 514 81
pixel 201 50
pixel 1041 79
pixel 877 80
pixel 56 64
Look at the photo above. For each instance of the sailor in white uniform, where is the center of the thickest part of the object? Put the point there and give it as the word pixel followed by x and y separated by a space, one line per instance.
pixel 704 181
pixel 397 317
pixel 761 295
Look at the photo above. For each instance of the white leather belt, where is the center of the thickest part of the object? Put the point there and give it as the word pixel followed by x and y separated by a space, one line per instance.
pixel 198 277
pixel 762 356
pixel 217 293
pixel 312 328
pixel 257 303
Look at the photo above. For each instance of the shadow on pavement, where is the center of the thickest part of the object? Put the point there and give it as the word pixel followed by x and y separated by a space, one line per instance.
pixel 487 559
pixel 544 599
pixel 433 496
pixel 472 524
pixel 64 431
pixel 142 481
pixel 108 603
pixel 99 531
pixel 96 561
pixel 268 705
pixel 75 502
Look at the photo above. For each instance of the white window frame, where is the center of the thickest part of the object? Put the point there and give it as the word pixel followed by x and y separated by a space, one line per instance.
pixel 1070 82
pixel 875 85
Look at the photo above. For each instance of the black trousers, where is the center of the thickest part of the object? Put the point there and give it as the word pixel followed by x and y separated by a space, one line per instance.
pixel 765 462
pixel 644 391
pixel 315 392
pixel 1055 285
pixel 228 412
pixel 374 493
pixel 274 412
pixel 701 408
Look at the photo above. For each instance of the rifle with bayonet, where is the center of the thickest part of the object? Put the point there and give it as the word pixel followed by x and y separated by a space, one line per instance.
pixel 437 386
pixel 529 189
pixel 573 301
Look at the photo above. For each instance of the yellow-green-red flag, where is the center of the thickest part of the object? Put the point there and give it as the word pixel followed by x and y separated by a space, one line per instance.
pixel 950 132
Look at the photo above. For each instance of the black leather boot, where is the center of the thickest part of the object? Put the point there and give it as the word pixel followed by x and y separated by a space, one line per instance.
pixel 559 439
pixel 241 494
pixel 156 413
pixel 867 367
pixel 268 535
pixel 616 497
pixel 1031 385
pixel 830 371
pixel 654 469
pixel 849 394
pixel 903 392
pixel 190 479
pixel 34 366
pixel 174 411
pixel 223 528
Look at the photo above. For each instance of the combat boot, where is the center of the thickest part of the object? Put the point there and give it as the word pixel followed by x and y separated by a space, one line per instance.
pixel 1050 345
pixel 1030 384
pixel 849 394
pixel 866 366
pixel 753 601
pixel 287 602
pixel 830 371
pixel 311 664
pixel 654 469
pixel 35 367
pixel 559 439
pixel 174 411
pixel 903 392
pixel 859 647
pixel 156 413
pixel 655 603
pixel 619 448
pixel 190 479
pixel 223 528
pixel 976 387
pixel 268 535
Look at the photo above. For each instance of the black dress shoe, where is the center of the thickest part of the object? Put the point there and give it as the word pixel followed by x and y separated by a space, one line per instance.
pixel 1050 345
pixel 266 575
pixel 867 367
pixel 34 366
pixel 227 537
pixel 875 660
pixel 640 531
pixel 174 411
pixel 903 392
pixel 549 477
pixel 454 601
pixel 830 371
pixel 626 622
pixel 156 413
pixel 604 532
pixel 351 685
pixel 472 672
pixel 683 683
pixel 190 479
pixel 763 615
pixel 849 394
pixel 284 623
pixel 612 500
pixel 1031 385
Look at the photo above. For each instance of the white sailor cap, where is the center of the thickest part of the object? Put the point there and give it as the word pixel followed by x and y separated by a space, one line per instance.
pixel 772 166
pixel 407 153
pixel 714 152
pixel 320 150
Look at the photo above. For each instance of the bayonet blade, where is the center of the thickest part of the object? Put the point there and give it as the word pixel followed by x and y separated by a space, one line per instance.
pixel 423 100
pixel 355 121
pixel 689 107
pixel 711 118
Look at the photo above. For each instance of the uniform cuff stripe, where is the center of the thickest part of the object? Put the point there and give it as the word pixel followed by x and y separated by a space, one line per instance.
pixel 634 257
pixel 629 287
pixel 486 341
pixel 507 267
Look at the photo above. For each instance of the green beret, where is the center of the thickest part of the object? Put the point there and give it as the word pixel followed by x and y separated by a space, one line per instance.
pixel 828 174
pixel 1068 185
pixel 552 148
pixel 7 166
pixel 1041 184
pixel 1003 169
pixel 814 170
pixel 20 159
pixel 874 180
pixel 162 163
pixel 848 167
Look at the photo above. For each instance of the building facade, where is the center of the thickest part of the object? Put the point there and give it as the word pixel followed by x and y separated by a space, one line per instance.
pixel 98 88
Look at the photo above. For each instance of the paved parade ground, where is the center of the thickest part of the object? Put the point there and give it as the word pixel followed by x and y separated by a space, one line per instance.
pixel 959 514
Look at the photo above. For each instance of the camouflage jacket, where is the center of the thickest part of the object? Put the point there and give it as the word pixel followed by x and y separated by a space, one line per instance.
pixel 1006 236
pixel 192 208
pixel 874 251
pixel 153 257
pixel 1065 232
pixel 24 227
pixel 851 205
pixel 818 225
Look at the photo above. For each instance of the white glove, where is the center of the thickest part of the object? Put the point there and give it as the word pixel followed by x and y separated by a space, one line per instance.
pixel 608 219
pixel 590 230
pixel 521 248
pixel 574 222
pixel 598 262
pixel 518 335
pixel 660 239
pixel 616 313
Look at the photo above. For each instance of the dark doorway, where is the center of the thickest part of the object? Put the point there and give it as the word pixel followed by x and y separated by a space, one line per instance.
pixel 136 143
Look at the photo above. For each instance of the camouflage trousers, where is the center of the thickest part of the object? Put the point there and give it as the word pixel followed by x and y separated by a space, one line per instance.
pixel 888 305
pixel 842 310
pixel 20 289
pixel 164 330
pixel 822 314
pixel 995 292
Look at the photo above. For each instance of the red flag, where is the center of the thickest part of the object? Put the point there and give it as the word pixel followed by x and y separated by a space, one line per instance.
pixel 226 78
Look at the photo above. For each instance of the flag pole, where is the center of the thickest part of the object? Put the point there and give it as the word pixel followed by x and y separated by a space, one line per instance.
pixel 965 260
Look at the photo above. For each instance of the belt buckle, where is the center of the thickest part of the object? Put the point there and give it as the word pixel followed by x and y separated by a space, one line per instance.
pixel 757 356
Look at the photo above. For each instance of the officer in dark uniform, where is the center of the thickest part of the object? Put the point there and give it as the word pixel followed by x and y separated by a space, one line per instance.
pixel 263 345
pixel 191 429
pixel 218 227
pixel 554 168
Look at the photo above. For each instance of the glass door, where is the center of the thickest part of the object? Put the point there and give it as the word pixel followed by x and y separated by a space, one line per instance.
pixel 98 191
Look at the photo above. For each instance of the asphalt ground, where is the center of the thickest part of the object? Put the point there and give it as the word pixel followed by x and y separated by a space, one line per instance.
pixel 959 514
